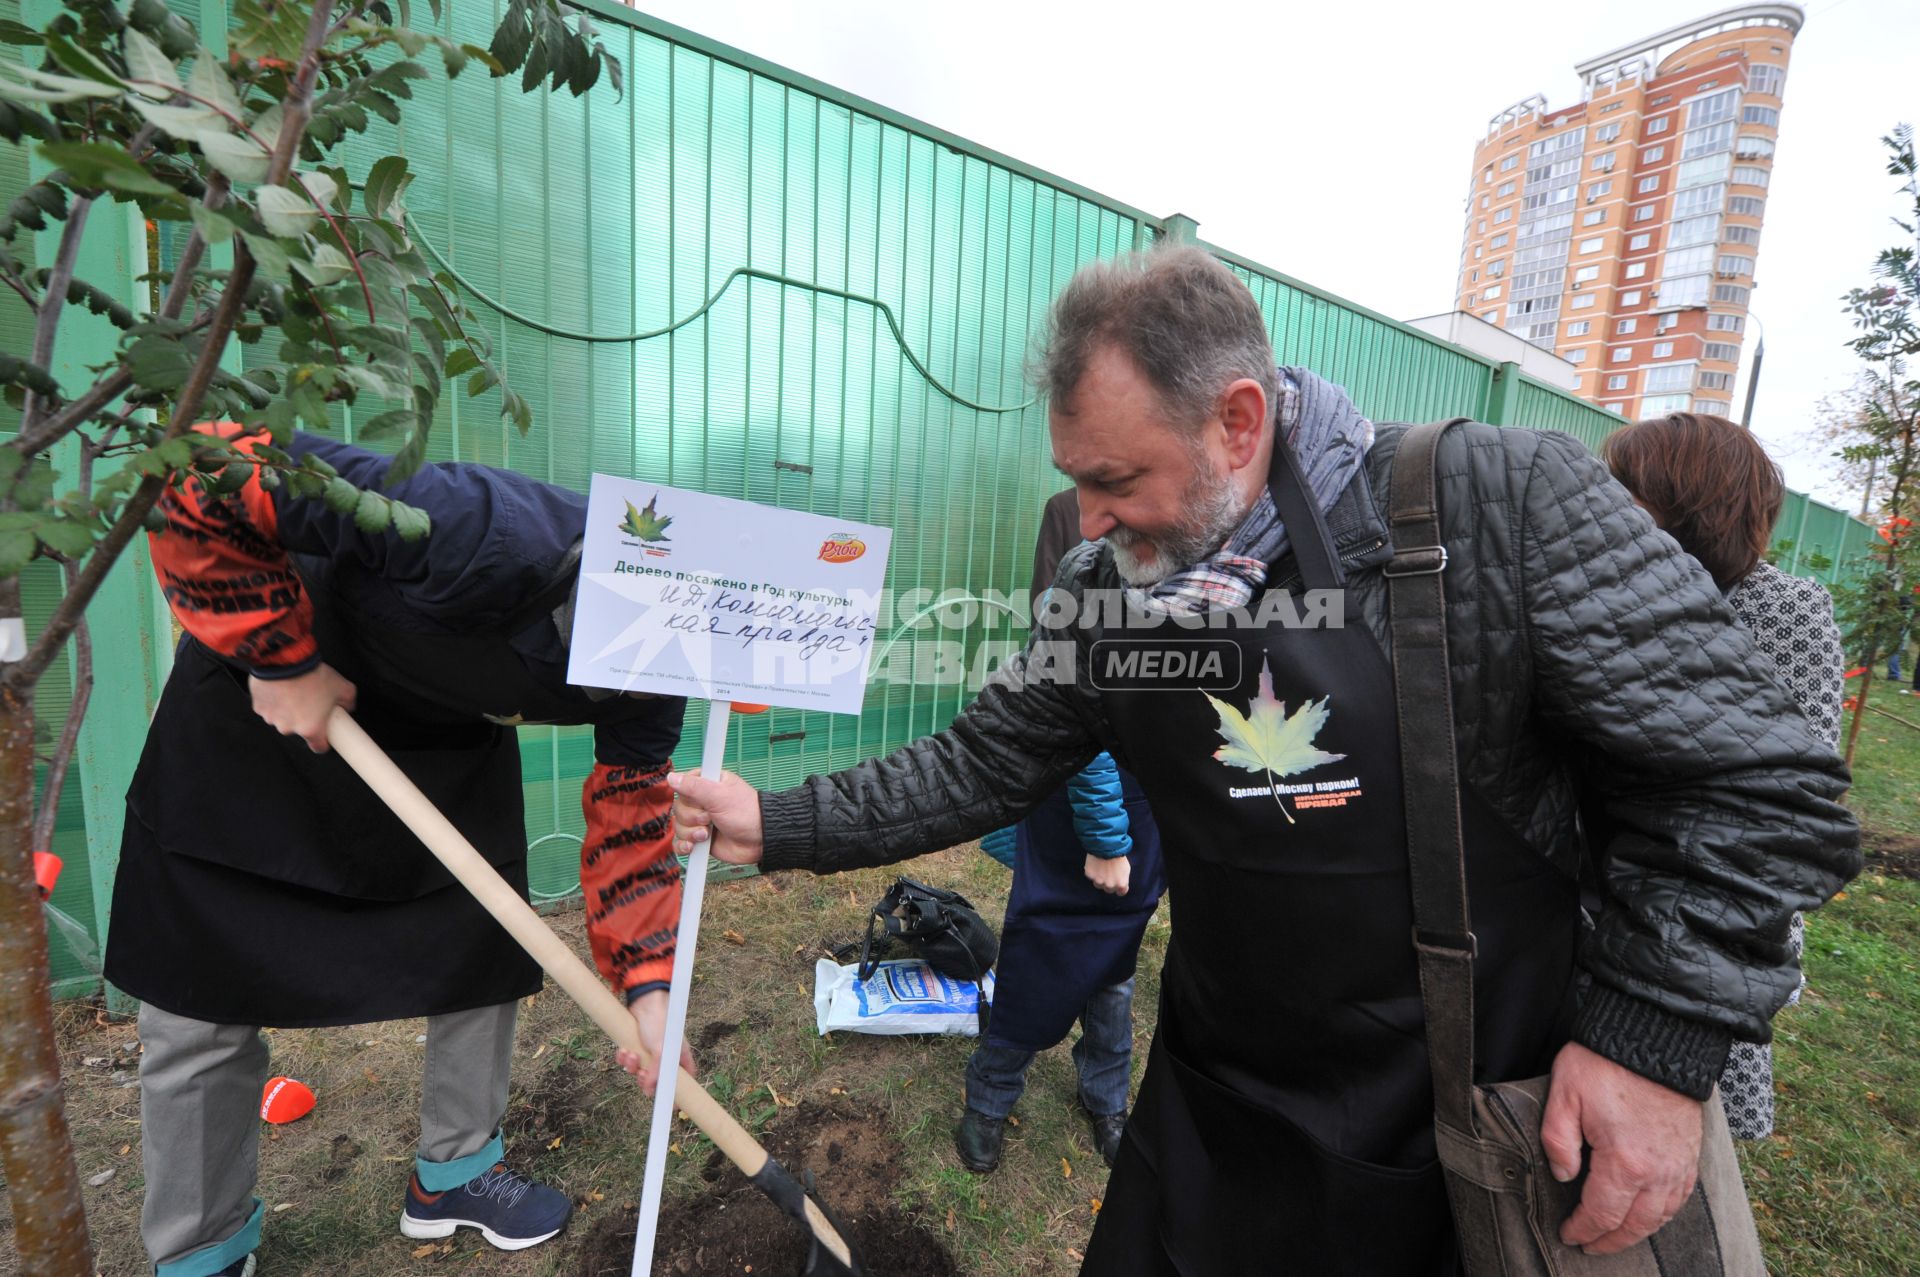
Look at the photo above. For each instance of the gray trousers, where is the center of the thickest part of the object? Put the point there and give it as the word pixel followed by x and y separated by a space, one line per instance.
pixel 200 1088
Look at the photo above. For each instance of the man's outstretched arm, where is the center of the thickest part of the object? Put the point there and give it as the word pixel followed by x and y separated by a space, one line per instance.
pixel 1015 744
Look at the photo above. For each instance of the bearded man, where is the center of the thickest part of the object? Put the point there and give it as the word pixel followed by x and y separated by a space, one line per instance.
pixel 1287 1107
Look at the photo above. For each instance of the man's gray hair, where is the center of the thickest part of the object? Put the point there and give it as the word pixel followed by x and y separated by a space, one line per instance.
pixel 1183 318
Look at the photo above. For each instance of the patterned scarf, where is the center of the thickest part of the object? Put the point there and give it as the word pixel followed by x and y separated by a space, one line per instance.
pixel 1331 439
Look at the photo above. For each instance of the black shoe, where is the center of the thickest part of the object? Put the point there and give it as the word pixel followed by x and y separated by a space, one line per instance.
pixel 1106 1134
pixel 241 1267
pixel 977 1140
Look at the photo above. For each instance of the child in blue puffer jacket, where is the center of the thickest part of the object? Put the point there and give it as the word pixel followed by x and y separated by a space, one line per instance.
pixel 1086 878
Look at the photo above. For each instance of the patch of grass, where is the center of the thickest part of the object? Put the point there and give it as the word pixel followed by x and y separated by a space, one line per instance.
pixel 1886 765
pixel 1836 1191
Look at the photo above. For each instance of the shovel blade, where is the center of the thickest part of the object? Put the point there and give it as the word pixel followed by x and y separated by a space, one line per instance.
pixel 785 1192
pixel 821 1262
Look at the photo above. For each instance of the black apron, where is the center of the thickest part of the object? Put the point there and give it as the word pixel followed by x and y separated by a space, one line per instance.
pixel 1064 938
pixel 260 883
pixel 1285 1121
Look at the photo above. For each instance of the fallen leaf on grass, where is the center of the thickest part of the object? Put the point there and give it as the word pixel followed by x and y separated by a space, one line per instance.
pixel 1012 1120
pixel 555 1141
pixel 97 1180
pixel 674 1149
pixel 1095 1203
pixel 273 1137
pixel 372 1076
pixel 949 1219
pixel 1074 1255
pixel 1066 1169
pixel 283 1206
pixel 421 1252
pixel 835 1090
pixel 125 1149
pixel 596 1196
pixel 542 1050
pixel 1839 895
pixel 732 937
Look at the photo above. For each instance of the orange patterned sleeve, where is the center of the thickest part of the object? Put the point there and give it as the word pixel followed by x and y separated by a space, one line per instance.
pixel 229 580
pixel 630 875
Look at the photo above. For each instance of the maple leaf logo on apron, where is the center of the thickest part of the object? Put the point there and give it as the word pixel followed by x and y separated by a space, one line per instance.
pixel 1266 739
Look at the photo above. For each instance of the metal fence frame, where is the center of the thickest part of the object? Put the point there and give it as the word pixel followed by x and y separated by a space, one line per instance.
pixel 966 439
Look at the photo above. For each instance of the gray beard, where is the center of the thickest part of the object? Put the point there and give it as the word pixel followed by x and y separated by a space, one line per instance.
pixel 1213 512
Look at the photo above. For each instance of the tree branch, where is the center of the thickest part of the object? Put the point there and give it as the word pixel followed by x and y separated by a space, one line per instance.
pixel 74 415
pixel 47 813
pixel 53 300
pixel 26 294
pixel 296 111
pixel 196 245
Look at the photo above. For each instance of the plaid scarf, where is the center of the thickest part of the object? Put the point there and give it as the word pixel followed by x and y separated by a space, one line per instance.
pixel 1331 439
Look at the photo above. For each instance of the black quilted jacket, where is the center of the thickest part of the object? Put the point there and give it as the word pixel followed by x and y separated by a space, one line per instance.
pixel 1595 665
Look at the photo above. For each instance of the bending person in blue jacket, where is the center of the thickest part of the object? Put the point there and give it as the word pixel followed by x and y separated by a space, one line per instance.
pixel 1086 878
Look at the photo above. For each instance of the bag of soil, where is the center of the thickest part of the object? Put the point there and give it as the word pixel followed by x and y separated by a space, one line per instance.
pixel 897 997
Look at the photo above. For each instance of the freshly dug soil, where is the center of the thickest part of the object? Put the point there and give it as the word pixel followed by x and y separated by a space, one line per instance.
pixel 732 1229
pixel 1895 855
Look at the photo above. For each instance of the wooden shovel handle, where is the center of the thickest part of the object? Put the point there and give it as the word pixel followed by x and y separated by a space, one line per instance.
pixel 579 981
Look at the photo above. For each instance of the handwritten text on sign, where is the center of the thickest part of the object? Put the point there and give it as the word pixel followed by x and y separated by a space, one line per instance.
pixel 696 595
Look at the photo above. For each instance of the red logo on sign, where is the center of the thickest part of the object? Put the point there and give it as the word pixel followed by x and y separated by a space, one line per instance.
pixel 842 547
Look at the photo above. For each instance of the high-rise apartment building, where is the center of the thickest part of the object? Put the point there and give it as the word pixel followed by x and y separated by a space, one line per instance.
pixel 1621 233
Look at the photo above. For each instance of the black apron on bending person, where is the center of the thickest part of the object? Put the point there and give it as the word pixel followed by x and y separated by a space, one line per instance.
pixel 260 883
pixel 1285 1122
pixel 1065 939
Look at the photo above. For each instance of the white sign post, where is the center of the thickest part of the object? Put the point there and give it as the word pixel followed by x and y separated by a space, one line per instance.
pixel 688 594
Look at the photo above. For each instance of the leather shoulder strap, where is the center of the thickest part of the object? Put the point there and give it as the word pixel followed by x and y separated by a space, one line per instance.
pixel 1423 690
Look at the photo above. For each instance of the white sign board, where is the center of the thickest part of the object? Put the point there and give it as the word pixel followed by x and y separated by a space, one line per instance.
pixel 689 594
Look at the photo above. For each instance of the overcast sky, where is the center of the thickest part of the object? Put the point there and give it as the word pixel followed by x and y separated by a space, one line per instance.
pixel 1332 142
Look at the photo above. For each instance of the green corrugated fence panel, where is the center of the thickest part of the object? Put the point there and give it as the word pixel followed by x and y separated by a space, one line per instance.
pixel 40 593
pixel 16 319
pixel 1819 541
pixel 615 215
pixel 1544 407
pixel 1394 372
pixel 611 216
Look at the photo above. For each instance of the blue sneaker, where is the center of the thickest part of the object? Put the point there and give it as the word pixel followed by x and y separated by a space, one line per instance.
pixel 510 1210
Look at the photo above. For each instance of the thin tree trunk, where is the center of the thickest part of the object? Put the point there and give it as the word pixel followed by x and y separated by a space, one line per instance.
pixel 49 1219
pixel 1860 704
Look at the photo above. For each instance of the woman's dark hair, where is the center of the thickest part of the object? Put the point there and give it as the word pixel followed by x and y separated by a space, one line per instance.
pixel 1707 482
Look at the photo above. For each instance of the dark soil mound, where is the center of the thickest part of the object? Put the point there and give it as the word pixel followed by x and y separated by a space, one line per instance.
pixel 1895 855
pixel 732 1229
